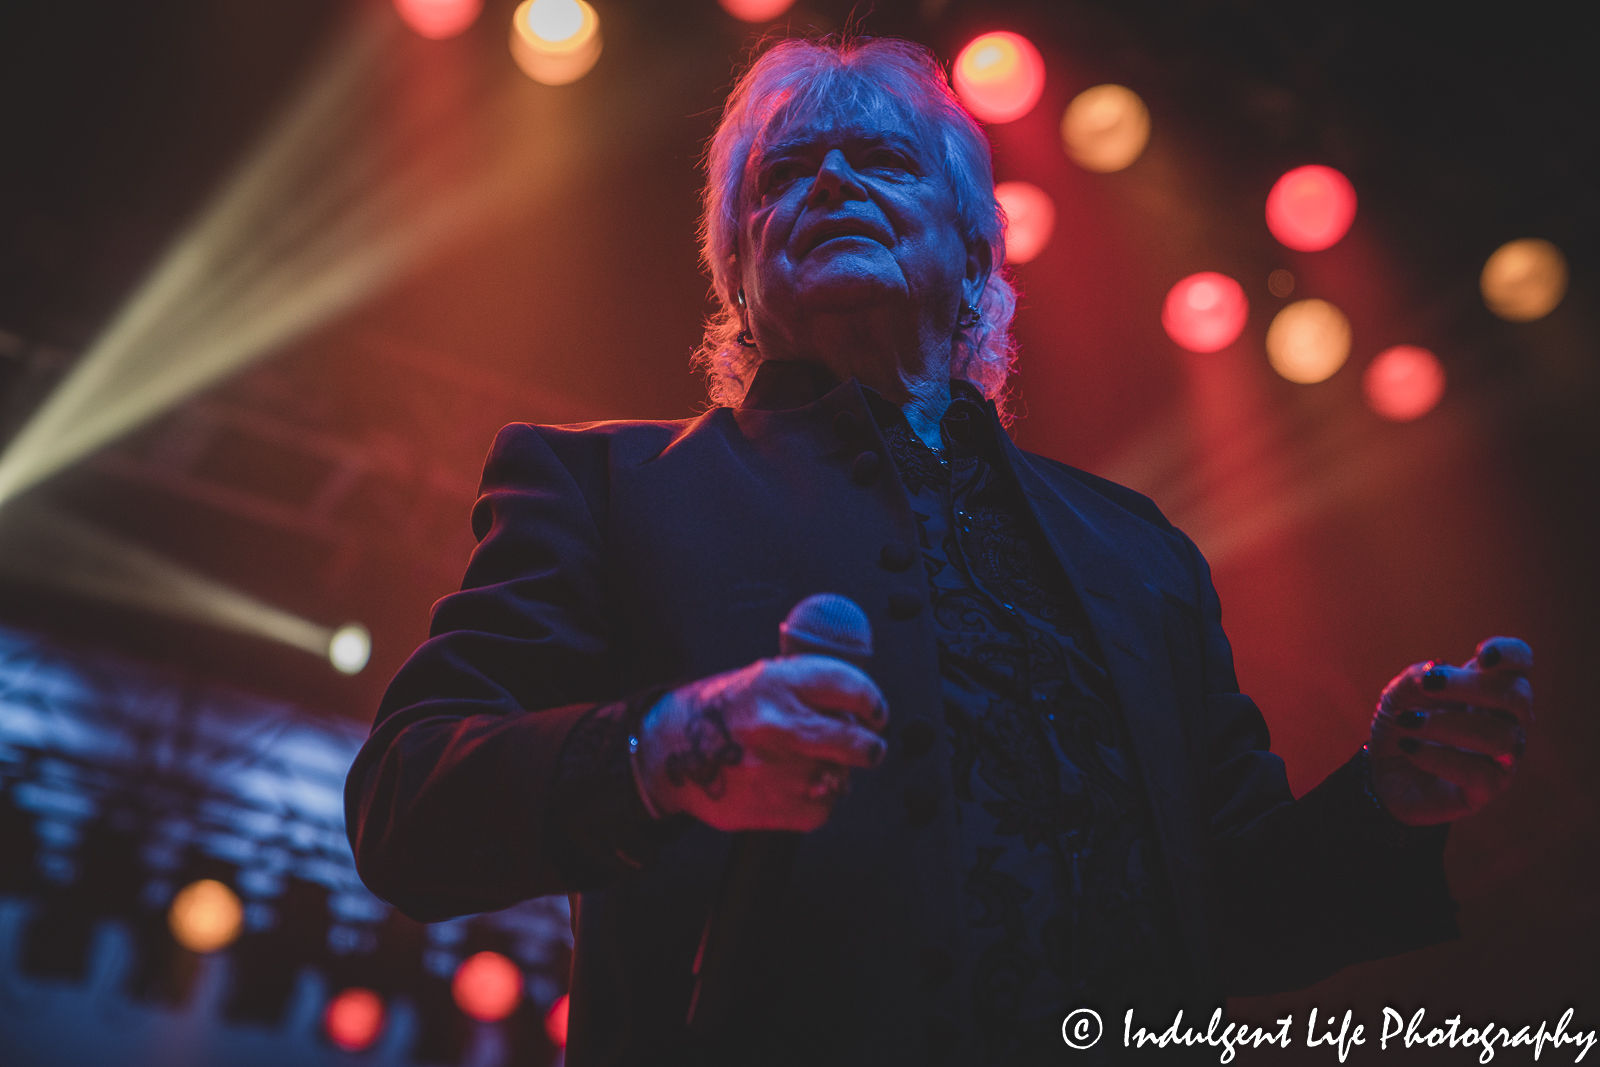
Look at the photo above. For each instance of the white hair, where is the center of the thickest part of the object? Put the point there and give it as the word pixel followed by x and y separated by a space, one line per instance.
pixel 874 75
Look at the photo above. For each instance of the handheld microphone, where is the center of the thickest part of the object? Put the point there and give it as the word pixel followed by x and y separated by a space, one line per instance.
pixel 759 861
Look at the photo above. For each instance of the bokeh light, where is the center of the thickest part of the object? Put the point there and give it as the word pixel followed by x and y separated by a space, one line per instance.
pixel 1205 312
pixel 1308 341
pixel 555 1022
pixel 487 986
pixel 1030 219
pixel 756 10
pixel 555 42
pixel 1403 382
pixel 205 916
pixel 1524 280
pixel 354 1019
pixel 1105 129
pixel 1311 208
pixel 999 76
pixel 438 19
pixel 1280 283
pixel 350 648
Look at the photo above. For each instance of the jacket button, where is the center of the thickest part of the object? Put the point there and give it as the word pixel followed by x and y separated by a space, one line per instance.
pixel 904 605
pixel 896 556
pixel 865 469
pixel 921 803
pixel 918 737
pixel 844 424
pixel 938 965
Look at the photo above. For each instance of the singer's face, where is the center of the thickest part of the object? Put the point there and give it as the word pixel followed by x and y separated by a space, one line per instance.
pixel 847 212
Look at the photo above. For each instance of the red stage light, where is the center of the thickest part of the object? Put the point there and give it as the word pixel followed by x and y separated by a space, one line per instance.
pixel 1030 219
pixel 555 1022
pixel 756 10
pixel 1205 312
pixel 1310 208
pixel 999 76
pixel 487 986
pixel 354 1019
pixel 1403 382
pixel 438 19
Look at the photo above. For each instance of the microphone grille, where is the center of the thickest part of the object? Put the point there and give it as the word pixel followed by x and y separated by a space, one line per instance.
pixel 830 625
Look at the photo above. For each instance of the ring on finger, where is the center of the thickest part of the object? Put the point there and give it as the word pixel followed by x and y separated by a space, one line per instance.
pixel 825 784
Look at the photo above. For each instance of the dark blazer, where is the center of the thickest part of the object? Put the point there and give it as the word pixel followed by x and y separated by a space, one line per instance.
pixel 614 557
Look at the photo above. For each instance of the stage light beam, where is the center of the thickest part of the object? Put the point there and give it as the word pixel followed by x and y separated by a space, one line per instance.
pixel 41 546
pixel 1311 208
pixel 1105 128
pixel 999 76
pixel 1403 382
pixel 205 916
pixel 439 20
pixel 487 986
pixel 555 42
pixel 1524 280
pixel 1030 219
pixel 354 1019
pixel 1308 341
pixel 1205 312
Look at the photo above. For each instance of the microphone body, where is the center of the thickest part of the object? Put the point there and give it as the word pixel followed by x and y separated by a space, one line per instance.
pixel 759 861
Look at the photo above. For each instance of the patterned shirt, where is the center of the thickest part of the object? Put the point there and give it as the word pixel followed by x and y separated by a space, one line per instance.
pixel 1065 889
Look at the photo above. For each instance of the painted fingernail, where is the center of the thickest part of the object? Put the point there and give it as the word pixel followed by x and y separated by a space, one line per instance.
pixel 1489 657
pixel 1409 745
pixel 1411 720
pixel 1434 680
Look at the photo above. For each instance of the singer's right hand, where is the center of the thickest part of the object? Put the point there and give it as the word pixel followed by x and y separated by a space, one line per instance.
pixel 765 747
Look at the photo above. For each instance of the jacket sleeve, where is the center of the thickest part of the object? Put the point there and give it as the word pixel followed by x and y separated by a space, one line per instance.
pixel 1301 888
pixel 496 769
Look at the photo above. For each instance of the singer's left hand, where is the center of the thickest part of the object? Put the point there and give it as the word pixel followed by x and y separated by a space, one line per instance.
pixel 1446 740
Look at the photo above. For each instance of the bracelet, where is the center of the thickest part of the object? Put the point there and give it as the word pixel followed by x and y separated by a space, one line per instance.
pixel 638 779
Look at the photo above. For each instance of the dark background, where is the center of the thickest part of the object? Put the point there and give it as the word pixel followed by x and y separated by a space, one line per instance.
pixel 1344 547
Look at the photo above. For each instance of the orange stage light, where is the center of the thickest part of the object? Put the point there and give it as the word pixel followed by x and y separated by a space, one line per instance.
pixel 1311 208
pixel 1105 129
pixel 756 10
pixel 555 41
pixel 439 19
pixel 354 1019
pixel 487 986
pixel 1308 341
pixel 1030 219
pixel 1205 312
pixel 999 76
pixel 1403 382
pixel 1524 280
pixel 205 916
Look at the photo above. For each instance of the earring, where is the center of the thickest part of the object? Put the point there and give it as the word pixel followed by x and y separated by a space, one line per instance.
pixel 969 317
pixel 746 339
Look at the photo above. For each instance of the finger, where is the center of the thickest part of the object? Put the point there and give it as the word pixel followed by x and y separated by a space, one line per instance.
pixel 831 686
pixel 1473 731
pixel 1480 778
pixel 1509 655
pixel 1423 685
pixel 799 732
